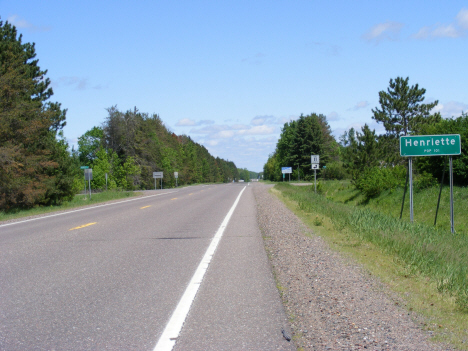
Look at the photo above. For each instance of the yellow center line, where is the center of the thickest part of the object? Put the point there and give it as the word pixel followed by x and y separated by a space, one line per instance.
pixel 191 194
pixel 174 198
pixel 82 226
pixel 145 207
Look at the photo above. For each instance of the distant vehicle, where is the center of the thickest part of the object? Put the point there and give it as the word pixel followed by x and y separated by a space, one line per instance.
pixel 241 180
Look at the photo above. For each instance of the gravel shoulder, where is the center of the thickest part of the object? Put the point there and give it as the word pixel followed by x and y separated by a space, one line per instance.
pixel 333 303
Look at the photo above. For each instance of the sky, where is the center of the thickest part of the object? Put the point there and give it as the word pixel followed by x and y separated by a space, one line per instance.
pixel 230 73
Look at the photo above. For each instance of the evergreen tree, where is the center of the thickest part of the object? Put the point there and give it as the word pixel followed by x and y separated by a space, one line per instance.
pixel 35 167
pixel 402 112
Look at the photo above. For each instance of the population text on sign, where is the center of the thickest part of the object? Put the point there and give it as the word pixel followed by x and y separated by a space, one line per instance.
pixel 430 145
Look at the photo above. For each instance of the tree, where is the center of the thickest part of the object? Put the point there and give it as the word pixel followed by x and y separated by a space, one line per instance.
pixel 309 135
pixel 401 109
pixel 435 165
pixel 89 144
pixel 35 167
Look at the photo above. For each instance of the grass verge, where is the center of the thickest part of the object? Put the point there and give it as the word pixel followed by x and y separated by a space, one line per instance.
pixel 78 201
pixel 427 267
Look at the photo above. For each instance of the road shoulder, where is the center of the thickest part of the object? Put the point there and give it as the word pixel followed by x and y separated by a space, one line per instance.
pixel 332 303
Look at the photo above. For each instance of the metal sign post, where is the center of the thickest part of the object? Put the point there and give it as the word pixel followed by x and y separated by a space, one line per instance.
pixel 176 176
pixel 88 172
pixel 157 175
pixel 83 168
pixel 452 226
pixel 286 170
pixel 410 170
pixel 315 164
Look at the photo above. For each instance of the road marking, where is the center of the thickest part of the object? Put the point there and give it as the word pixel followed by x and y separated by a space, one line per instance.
pixel 170 334
pixel 174 198
pixel 190 194
pixel 83 226
pixel 84 209
pixel 145 207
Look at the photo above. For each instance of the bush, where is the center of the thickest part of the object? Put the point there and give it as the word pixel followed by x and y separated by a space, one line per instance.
pixel 376 179
pixel 334 170
pixel 424 180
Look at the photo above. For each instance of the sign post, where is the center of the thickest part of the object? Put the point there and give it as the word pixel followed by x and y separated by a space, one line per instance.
pixel 287 170
pixel 83 168
pixel 430 145
pixel 88 172
pixel 176 176
pixel 157 175
pixel 315 164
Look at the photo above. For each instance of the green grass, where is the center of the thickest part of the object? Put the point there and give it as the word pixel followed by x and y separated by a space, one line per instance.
pixel 389 202
pixel 78 201
pixel 427 265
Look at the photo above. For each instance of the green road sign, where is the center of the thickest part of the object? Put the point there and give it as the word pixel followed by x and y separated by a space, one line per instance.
pixel 430 145
pixel 84 167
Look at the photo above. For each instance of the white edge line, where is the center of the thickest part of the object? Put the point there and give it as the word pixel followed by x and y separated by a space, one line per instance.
pixel 170 334
pixel 85 209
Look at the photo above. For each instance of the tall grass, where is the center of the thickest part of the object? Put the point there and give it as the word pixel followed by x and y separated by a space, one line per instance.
pixel 433 252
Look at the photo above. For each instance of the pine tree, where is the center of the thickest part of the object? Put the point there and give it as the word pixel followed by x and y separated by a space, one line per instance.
pixel 35 167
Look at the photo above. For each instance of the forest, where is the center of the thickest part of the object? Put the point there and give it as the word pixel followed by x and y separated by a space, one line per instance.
pixel 372 161
pixel 37 168
pixel 130 146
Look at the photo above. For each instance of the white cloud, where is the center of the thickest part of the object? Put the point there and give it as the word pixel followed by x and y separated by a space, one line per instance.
pixel 359 105
pixel 383 31
pixel 74 82
pixel 451 109
pixel 22 23
pixel 328 49
pixel 223 134
pixel 333 116
pixel 258 120
pixel 187 122
pixel 452 30
pixel 462 19
pixel 257 130
pixel 448 31
pixel 239 126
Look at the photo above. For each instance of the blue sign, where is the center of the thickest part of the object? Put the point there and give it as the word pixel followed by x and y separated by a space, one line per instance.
pixel 286 170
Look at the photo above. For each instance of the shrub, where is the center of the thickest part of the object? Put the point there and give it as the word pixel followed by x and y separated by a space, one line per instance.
pixel 334 170
pixel 377 179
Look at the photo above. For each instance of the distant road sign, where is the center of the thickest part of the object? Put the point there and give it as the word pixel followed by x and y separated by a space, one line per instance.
pixel 314 159
pixel 157 174
pixel 315 166
pixel 430 145
pixel 88 173
pixel 286 170
pixel 176 174
pixel 84 167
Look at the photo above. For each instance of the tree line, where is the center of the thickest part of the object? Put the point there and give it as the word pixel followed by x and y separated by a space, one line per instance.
pixel 131 145
pixel 372 161
pixel 36 166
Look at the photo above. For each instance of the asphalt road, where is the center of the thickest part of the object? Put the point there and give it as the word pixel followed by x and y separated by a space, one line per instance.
pixel 110 277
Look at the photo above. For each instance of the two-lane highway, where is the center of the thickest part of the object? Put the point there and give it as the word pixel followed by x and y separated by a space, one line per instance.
pixel 110 277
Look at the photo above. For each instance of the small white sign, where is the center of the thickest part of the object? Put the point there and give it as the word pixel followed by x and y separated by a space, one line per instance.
pixel 157 174
pixel 176 174
pixel 314 159
pixel 315 166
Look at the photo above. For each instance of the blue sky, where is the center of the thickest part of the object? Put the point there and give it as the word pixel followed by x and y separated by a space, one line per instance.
pixel 231 73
